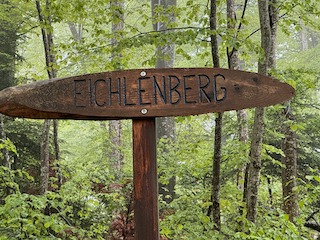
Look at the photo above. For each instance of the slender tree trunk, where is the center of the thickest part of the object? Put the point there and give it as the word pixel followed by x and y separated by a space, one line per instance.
pixel 274 18
pixel 242 116
pixel 51 62
pixel 314 38
pixel 303 38
pixel 76 33
pixel 115 126
pixel 218 127
pixel 258 127
pixel 216 173
pixel 289 172
pixel 167 49
pixel 270 190
pixel 166 129
pixel 116 156
pixel 4 150
pixel 165 126
pixel 214 36
pixel 8 47
pixel 44 155
pixel 57 151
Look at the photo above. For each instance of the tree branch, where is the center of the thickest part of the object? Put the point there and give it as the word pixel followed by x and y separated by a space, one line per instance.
pixel 243 12
pixel 308 104
pixel 257 30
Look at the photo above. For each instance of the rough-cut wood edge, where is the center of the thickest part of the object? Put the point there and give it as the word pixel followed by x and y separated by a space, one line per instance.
pixel 13 100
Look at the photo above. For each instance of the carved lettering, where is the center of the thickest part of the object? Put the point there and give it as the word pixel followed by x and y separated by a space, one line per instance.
pixel 201 88
pixel 170 89
pixel 116 92
pixel 185 88
pixel 125 94
pixel 95 92
pixel 174 89
pixel 222 88
pixel 156 89
pixel 141 91
pixel 77 93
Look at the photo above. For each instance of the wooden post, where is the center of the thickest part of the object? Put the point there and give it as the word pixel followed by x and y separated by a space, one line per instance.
pixel 146 213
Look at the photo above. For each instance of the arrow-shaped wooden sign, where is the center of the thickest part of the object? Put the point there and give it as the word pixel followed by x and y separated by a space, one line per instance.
pixel 143 93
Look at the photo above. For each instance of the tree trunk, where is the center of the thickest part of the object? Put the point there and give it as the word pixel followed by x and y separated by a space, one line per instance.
pixel 289 172
pixel 166 129
pixel 57 152
pixel 4 150
pixel 258 127
pixel 216 173
pixel 51 62
pixel 167 49
pixel 214 37
pixel 76 33
pixel 8 47
pixel 115 134
pixel 274 18
pixel 165 126
pixel 303 35
pixel 115 126
pixel 215 198
pixel 44 155
pixel 241 114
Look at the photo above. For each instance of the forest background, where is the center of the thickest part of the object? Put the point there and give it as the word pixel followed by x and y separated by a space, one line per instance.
pixel 250 174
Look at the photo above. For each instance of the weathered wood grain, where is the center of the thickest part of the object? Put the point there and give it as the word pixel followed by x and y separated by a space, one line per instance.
pixel 143 93
pixel 146 214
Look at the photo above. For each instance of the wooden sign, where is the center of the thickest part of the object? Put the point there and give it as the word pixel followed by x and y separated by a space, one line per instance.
pixel 143 93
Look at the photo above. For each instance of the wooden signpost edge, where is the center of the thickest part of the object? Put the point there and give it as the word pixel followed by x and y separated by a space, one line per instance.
pixel 143 93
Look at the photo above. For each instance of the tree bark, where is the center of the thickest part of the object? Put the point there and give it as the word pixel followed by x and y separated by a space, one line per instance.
pixel 258 127
pixel 241 114
pixel 57 151
pixel 303 38
pixel 215 198
pixel 44 155
pixel 4 150
pixel 8 47
pixel 167 49
pixel 214 35
pixel 289 172
pixel 166 129
pixel 216 173
pixel 115 126
pixel 242 117
pixel 274 18
pixel 51 62
pixel 115 135
pixel 76 33
pixel 165 126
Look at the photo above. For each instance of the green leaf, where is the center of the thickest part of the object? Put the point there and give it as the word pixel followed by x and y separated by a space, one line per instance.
pixel 294 127
pixel 286 217
pixel 316 178
pixel 301 204
pixel 309 177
